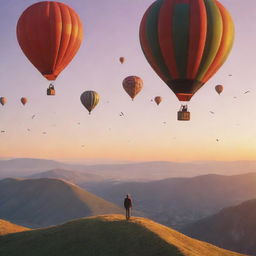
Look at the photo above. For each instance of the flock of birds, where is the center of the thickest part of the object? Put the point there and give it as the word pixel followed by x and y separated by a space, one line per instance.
pixel 132 86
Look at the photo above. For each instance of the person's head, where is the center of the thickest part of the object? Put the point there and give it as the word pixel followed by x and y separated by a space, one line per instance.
pixel 127 196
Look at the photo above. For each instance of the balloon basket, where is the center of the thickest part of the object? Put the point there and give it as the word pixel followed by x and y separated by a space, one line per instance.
pixel 51 91
pixel 183 116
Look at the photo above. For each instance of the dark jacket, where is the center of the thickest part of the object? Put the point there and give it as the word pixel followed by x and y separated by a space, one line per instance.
pixel 127 203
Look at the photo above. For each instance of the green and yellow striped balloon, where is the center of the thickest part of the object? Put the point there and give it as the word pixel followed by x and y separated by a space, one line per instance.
pixel 90 100
pixel 186 42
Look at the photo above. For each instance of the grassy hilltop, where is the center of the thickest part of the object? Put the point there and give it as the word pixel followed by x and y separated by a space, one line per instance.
pixel 108 235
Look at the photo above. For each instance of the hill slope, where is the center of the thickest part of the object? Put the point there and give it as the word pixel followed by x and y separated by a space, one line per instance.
pixel 179 201
pixel 233 228
pixel 7 227
pixel 107 235
pixel 44 202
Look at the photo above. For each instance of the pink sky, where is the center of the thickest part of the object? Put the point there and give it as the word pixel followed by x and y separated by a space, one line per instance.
pixel 111 30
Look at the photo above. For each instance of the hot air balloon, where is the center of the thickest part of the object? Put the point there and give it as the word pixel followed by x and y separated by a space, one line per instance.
pixel 158 100
pixel 24 100
pixel 90 99
pixel 133 85
pixel 186 42
pixel 219 88
pixel 49 34
pixel 3 100
pixel 122 60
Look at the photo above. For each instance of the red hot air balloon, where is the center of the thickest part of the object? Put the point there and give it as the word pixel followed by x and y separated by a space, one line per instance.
pixel 122 60
pixel 186 42
pixel 158 100
pixel 3 101
pixel 132 85
pixel 49 34
pixel 24 100
pixel 219 89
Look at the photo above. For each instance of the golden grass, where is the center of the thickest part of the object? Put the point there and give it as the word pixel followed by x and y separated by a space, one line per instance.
pixel 9 228
pixel 188 246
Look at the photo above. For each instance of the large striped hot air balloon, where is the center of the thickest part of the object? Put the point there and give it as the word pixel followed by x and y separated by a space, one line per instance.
pixel 49 34
pixel 90 100
pixel 186 42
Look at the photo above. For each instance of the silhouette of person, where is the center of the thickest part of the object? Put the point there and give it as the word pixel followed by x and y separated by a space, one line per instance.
pixel 184 108
pixel 128 206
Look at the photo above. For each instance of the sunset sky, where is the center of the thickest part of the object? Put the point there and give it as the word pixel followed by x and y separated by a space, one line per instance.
pixel 111 29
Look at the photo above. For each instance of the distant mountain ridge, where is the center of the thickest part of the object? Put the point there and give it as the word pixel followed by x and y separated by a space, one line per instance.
pixel 75 177
pixel 233 228
pixel 144 171
pixel 179 201
pixel 44 202
pixel 108 235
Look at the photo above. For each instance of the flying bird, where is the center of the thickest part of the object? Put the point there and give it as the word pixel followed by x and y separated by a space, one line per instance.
pixel 212 112
pixel 33 116
pixel 246 92
pixel 217 140
pixel 2 131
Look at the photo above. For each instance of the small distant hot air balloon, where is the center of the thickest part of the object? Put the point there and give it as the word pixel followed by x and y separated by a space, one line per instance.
pixel 132 85
pixel 3 100
pixel 24 100
pixel 122 60
pixel 186 42
pixel 158 100
pixel 219 88
pixel 49 34
pixel 90 99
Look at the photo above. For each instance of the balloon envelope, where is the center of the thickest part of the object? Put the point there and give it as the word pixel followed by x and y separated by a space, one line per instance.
pixel 158 99
pixel 122 60
pixel 219 88
pixel 24 100
pixel 3 100
pixel 186 42
pixel 90 99
pixel 132 85
pixel 49 34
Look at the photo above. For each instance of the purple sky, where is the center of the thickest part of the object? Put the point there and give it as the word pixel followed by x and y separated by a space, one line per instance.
pixel 110 31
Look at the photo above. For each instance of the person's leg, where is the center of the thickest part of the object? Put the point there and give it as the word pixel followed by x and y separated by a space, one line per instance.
pixel 127 214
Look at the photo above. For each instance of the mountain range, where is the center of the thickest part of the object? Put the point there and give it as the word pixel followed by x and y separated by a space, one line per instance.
pixel 146 171
pixel 177 202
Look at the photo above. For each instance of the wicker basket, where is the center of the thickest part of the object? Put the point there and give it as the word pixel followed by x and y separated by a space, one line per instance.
pixel 183 116
pixel 51 91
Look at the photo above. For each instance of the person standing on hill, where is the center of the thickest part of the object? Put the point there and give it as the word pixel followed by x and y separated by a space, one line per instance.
pixel 128 206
